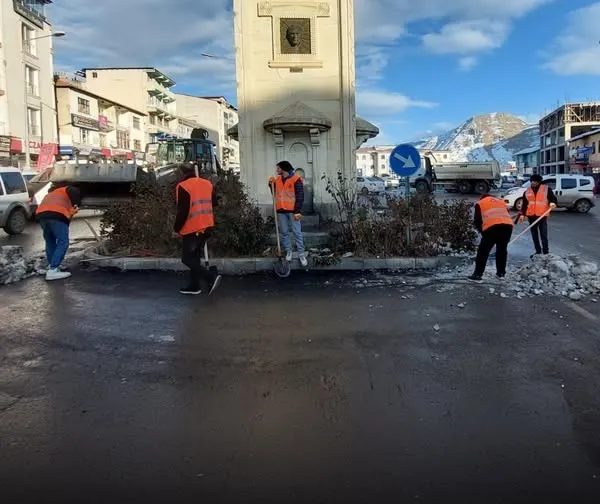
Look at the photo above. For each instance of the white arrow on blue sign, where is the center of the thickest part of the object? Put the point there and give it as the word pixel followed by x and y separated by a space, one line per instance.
pixel 405 160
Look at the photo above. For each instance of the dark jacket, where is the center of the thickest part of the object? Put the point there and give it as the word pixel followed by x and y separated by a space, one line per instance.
pixel 74 195
pixel 298 192
pixel 183 205
pixel 551 198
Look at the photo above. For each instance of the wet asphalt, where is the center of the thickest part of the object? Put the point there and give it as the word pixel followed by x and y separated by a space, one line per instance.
pixel 116 389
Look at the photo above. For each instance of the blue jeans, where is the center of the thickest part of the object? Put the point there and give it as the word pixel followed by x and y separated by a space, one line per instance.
pixel 287 223
pixel 56 236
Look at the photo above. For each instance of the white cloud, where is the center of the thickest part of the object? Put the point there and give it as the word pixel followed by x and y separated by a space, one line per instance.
pixel 576 51
pixel 376 103
pixel 467 37
pixel 467 63
pixel 149 33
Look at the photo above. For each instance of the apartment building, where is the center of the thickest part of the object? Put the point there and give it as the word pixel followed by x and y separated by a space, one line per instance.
pixel 584 152
pixel 527 161
pixel 92 125
pixel 145 89
pixel 559 127
pixel 375 160
pixel 217 116
pixel 27 101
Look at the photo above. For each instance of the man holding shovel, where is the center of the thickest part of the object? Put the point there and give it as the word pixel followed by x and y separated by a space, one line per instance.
pixel 539 200
pixel 194 221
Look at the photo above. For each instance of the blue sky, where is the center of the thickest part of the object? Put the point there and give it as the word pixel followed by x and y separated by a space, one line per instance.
pixel 423 66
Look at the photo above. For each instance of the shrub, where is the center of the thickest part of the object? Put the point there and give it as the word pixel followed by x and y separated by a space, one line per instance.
pixel 145 223
pixel 433 226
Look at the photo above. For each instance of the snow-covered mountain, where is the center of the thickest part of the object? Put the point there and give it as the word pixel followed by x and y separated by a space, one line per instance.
pixel 485 137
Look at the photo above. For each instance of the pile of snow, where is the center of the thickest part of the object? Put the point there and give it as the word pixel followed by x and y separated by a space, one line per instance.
pixel 552 275
pixel 15 266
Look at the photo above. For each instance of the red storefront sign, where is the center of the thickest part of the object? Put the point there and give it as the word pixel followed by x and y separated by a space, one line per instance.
pixel 46 156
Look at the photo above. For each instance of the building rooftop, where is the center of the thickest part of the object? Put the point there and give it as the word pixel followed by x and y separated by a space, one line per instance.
pixel 78 87
pixel 530 150
pixel 154 72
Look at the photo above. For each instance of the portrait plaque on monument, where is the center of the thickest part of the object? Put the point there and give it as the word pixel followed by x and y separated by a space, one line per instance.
pixel 295 36
pixel 294 31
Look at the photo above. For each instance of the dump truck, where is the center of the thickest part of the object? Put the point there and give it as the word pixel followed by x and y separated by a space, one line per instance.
pixel 103 183
pixel 465 178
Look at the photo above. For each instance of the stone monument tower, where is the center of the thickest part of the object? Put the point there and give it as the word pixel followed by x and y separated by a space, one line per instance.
pixel 295 69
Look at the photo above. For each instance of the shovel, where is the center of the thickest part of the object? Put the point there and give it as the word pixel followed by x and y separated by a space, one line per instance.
pixel 212 269
pixel 282 267
pixel 546 213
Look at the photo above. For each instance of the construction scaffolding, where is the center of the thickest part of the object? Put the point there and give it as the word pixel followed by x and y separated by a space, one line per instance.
pixel 571 113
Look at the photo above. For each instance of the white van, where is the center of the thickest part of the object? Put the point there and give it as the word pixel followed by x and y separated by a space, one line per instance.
pixel 14 201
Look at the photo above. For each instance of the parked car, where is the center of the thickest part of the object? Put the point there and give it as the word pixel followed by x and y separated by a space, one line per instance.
pixel 508 181
pixel 574 192
pixel 390 181
pixel 370 185
pixel 14 201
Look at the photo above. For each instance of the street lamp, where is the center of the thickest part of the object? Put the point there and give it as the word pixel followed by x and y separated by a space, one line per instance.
pixel 56 34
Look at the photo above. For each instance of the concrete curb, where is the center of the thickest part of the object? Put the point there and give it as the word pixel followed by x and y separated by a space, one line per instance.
pixel 245 266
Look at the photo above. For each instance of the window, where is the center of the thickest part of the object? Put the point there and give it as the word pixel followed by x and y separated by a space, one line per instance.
pixel 83 106
pixel 382 156
pixel 13 183
pixel 33 119
pixel 551 183
pixel 84 136
pixel 136 123
pixel 1 190
pixel 584 182
pixel 364 157
pixel 137 145
pixel 94 75
pixel 152 119
pixel 27 36
pixel 383 167
pixel 32 80
pixel 103 141
pixel 123 139
pixel 593 147
pixel 568 183
pixel 360 179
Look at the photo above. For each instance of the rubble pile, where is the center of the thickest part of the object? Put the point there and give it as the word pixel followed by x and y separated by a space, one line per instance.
pixel 15 266
pixel 552 275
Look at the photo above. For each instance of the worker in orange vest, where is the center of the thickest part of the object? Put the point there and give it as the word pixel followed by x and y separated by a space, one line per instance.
pixel 538 199
pixel 289 198
pixel 194 222
pixel 494 223
pixel 54 215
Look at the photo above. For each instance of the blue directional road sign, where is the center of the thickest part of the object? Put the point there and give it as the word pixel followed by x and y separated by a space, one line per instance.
pixel 405 160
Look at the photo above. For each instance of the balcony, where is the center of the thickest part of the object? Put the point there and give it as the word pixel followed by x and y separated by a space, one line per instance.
pixel 32 90
pixel 32 10
pixel 29 48
pixel 106 125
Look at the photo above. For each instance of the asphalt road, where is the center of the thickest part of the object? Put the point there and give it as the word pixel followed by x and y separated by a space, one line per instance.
pixel 114 388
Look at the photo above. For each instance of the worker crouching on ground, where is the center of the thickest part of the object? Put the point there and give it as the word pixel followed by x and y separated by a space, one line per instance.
pixel 289 198
pixel 54 215
pixel 538 200
pixel 494 223
pixel 194 222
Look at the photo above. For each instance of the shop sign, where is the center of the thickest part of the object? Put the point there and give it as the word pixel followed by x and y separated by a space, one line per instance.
pixel 85 122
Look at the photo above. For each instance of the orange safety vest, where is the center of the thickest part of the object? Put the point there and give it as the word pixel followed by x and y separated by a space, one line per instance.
pixel 57 201
pixel 200 215
pixel 285 194
pixel 494 212
pixel 537 204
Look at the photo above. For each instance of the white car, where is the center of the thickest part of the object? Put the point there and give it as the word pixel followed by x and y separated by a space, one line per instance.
pixel 370 185
pixel 14 201
pixel 391 182
pixel 573 192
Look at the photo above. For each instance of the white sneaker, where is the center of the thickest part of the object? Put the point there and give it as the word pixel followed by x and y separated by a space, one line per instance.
pixel 288 257
pixel 55 274
pixel 303 260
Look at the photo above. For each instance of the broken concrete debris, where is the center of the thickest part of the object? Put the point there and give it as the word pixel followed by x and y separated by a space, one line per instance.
pixel 15 266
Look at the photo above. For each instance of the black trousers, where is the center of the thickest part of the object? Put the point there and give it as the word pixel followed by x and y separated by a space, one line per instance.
pixel 537 231
pixel 192 255
pixel 497 236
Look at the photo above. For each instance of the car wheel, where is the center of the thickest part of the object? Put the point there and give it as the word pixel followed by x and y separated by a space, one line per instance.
pixel 482 187
pixel 519 205
pixel 583 206
pixel 364 191
pixel 16 222
pixel 422 187
pixel 465 187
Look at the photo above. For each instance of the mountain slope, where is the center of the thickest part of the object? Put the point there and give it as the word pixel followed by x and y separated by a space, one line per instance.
pixel 485 137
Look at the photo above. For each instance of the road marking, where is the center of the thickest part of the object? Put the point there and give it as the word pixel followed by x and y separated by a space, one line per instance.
pixel 582 311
